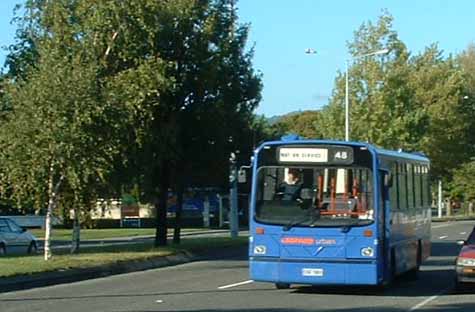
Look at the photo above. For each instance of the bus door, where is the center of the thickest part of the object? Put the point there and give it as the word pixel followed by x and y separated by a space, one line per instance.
pixel 384 225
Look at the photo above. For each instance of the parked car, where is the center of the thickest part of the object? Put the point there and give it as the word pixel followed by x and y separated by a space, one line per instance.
pixel 14 239
pixel 465 262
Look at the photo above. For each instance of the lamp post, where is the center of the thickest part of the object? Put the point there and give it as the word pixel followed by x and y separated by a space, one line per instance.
pixel 347 100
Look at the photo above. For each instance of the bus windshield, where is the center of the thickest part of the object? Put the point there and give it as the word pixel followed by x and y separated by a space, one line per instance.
pixel 314 196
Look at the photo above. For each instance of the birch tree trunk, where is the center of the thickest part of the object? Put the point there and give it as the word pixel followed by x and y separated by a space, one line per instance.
pixel 52 195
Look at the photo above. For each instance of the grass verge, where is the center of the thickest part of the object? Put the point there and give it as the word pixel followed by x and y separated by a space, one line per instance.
pixel 96 256
pixel 66 234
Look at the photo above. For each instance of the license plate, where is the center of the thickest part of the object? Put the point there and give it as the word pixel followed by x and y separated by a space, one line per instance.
pixel 312 272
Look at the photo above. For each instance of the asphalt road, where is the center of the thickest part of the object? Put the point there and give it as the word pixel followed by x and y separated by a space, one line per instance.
pixel 223 285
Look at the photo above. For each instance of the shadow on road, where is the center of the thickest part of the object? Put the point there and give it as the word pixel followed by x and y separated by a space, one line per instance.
pixel 403 286
pixel 129 295
pixel 456 307
pixel 436 275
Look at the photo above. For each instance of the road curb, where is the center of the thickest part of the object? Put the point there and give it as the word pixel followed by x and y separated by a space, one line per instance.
pixel 453 219
pixel 22 282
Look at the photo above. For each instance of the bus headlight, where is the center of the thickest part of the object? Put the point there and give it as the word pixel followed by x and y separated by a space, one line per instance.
pixel 260 250
pixel 465 261
pixel 367 252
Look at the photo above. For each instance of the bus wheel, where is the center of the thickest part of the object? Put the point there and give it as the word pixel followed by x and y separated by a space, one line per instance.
pixel 282 285
pixel 414 273
pixel 392 269
pixel 3 250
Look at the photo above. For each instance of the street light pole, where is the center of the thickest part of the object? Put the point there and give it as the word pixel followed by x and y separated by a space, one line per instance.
pixel 347 105
pixel 347 99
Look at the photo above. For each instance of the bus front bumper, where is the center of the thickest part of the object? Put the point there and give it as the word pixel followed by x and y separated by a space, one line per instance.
pixel 314 272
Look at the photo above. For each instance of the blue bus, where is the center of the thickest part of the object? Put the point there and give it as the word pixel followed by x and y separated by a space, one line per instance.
pixel 337 213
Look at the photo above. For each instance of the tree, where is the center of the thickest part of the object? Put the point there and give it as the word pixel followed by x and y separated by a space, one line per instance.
pixel 60 127
pixel 369 78
pixel 176 72
pixel 56 135
pixel 209 95
pixel 215 93
pixel 463 182
pixel 397 101
pixel 466 62
pixel 438 100
pixel 306 124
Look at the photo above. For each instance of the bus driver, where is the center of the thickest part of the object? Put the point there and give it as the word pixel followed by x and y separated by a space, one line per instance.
pixel 290 189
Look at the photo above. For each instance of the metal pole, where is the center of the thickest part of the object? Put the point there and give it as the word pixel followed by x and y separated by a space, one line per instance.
pixel 234 207
pixel 347 100
pixel 439 199
pixel 347 106
pixel 233 203
pixel 221 211
pixel 206 212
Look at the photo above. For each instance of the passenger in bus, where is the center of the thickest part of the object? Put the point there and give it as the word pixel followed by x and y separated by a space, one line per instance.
pixel 290 189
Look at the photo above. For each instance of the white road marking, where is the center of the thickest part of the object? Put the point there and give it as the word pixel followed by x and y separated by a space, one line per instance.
pixel 463 233
pixel 423 303
pixel 440 225
pixel 443 237
pixel 159 301
pixel 236 284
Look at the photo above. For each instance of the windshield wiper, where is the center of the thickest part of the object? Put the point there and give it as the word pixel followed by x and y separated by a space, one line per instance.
pixel 295 222
pixel 313 216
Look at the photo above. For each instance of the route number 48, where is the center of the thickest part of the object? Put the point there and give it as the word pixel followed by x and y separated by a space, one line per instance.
pixel 341 155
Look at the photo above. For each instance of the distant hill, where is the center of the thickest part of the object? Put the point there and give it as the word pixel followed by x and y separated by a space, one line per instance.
pixel 275 119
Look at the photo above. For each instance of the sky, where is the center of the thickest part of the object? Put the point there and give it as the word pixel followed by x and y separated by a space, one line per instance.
pixel 281 30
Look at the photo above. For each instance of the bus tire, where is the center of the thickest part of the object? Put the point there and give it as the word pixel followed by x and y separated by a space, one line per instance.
pixel 282 285
pixel 393 266
pixel 459 286
pixel 419 255
pixel 413 274
pixel 3 250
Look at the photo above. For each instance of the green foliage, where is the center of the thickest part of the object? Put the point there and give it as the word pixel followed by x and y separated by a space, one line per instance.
pixel 463 183
pixel 424 102
pixel 58 118
pixel 105 95
pixel 397 101
pixel 306 124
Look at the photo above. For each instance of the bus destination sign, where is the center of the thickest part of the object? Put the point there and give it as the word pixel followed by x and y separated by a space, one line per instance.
pixel 307 155
pixel 327 154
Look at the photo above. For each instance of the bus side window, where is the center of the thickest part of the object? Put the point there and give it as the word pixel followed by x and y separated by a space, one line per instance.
pixel 394 192
pixel 402 187
pixel 410 186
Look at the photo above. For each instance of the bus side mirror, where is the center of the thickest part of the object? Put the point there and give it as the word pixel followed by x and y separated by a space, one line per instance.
pixel 242 176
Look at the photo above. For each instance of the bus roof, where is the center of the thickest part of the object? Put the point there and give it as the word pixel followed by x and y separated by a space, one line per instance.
pixel 291 140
